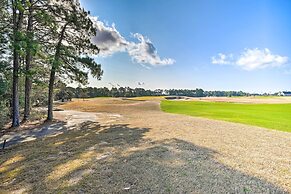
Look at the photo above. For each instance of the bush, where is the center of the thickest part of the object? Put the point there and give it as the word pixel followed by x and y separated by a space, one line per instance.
pixel 4 113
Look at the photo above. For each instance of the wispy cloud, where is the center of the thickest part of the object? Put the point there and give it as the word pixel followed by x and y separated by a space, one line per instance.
pixel 251 59
pixel 221 59
pixel 142 51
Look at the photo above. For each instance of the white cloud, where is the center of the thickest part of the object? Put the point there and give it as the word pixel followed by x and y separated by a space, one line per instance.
pixel 220 59
pixel 251 59
pixel 144 52
pixel 110 41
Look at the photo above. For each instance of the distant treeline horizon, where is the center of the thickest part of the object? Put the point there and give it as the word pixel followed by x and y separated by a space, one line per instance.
pixel 67 93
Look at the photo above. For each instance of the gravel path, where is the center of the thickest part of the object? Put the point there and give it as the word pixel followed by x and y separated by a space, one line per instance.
pixel 66 120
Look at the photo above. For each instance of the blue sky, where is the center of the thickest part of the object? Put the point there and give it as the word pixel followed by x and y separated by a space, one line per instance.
pixel 209 44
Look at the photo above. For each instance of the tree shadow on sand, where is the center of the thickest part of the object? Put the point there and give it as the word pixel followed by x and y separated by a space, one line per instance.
pixel 91 158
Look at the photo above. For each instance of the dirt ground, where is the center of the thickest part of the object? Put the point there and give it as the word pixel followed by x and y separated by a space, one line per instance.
pixel 130 146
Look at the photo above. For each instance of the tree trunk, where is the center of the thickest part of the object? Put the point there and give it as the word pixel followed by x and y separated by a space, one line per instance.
pixel 28 60
pixel 15 97
pixel 17 25
pixel 51 95
pixel 53 74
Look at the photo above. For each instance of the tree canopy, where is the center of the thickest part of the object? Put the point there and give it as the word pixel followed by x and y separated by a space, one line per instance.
pixel 43 42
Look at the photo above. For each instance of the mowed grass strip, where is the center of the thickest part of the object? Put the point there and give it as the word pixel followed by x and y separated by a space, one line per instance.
pixel 272 116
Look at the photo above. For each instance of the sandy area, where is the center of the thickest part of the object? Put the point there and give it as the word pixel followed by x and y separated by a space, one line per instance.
pixel 125 146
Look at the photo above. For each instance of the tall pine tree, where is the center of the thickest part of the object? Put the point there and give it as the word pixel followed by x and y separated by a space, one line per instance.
pixel 73 46
pixel 17 38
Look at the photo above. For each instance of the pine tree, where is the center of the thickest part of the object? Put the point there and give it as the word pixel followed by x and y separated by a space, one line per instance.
pixel 17 38
pixel 73 34
pixel 28 61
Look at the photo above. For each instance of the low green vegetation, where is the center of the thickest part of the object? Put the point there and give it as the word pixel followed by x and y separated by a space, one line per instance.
pixel 272 116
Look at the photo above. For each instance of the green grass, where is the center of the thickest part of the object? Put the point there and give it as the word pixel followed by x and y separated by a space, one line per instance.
pixel 272 116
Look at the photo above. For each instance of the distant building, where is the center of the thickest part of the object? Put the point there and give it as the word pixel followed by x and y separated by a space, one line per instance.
pixel 284 93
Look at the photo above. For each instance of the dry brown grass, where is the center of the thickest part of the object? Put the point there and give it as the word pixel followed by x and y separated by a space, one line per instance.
pixel 111 105
pixel 96 104
pixel 56 164
pixel 148 151
pixel 147 98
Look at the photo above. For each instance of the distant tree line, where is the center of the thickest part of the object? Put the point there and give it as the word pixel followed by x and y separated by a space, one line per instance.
pixel 201 93
pixel 67 93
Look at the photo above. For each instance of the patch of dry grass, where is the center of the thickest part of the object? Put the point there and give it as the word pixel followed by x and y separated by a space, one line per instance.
pixel 11 167
pixel 119 158
pixel 54 164
pixel 95 104
pixel 148 151
pixel 148 98
pixel 111 105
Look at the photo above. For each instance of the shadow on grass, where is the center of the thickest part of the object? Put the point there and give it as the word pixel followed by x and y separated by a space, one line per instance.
pixel 90 158
pixel 42 130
